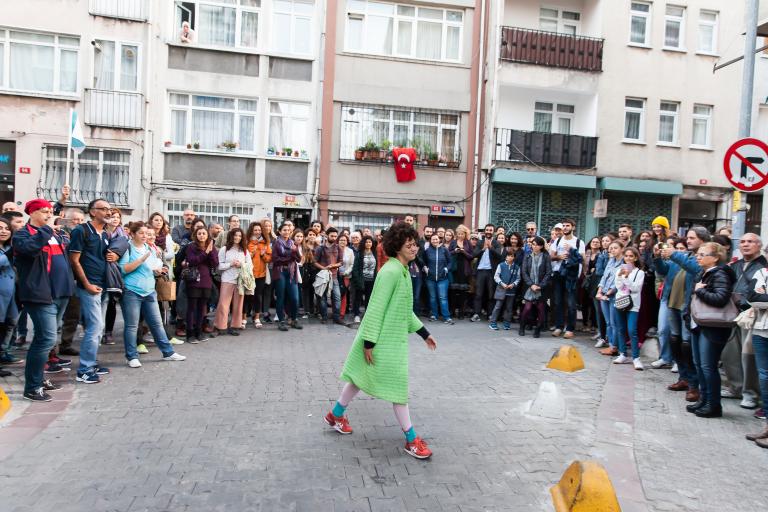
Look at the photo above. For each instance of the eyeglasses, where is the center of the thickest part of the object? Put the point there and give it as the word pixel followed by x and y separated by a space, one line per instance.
pixel 530 229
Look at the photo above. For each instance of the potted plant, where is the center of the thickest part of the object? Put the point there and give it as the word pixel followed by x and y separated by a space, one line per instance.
pixel 304 154
pixel 271 151
pixel 432 159
pixel 371 150
pixel 359 153
pixel 386 144
pixel 168 143
pixel 287 151
pixel 189 146
pixel 295 153
pixel 442 162
pixel 416 145
pixel 229 145
pixel 196 145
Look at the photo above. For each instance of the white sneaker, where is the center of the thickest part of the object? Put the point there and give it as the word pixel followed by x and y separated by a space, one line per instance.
pixel 622 359
pixel 176 341
pixel 728 393
pixel 357 319
pixel 601 343
pixel 748 402
pixel 568 335
pixel 595 337
pixel 134 363
pixel 175 357
pixel 638 364
pixel 659 363
pixel 674 368
pixel 557 332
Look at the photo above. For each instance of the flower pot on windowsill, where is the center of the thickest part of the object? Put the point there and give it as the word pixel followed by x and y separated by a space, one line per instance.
pixel 432 163
pixel 189 146
pixel 453 165
pixel 168 144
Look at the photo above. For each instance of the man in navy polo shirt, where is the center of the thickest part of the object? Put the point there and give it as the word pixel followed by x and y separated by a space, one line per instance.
pixel 89 256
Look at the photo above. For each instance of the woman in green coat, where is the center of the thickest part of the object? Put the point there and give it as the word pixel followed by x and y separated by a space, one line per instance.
pixel 377 363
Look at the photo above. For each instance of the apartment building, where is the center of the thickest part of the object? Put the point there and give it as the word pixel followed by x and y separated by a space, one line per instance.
pixel 609 112
pixel 398 74
pixel 89 56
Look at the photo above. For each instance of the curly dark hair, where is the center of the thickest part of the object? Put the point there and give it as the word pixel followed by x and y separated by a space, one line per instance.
pixel 396 237
pixel 243 245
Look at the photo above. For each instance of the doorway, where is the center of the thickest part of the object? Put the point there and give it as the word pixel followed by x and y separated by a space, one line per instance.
pixel 7 171
pixel 299 216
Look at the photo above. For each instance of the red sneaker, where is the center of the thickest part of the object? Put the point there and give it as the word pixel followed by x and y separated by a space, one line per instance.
pixel 340 425
pixel 418 448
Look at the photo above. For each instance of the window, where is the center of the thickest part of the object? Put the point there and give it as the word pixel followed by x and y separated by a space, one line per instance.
pixel 360 220
pixel 292 26
pixel 34 62
pixel 674 33
pixel 212 212
pixel 96 172
pixel 427 131
pixel 115 66
pixel 212 121
pixel 381 28
pixel 702 126
pixel 229 23
pixel 634 119
pixel 545 114
pixel 554 20
pixel 289 126
pixel 668 117
pixel 708 32
pixel 640 23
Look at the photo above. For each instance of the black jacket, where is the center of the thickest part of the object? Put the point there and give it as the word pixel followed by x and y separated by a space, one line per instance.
pixel 356 279
pixel 33 256
pixel 545 270
pixel 719 283
pixel 744 285
pixel 496 253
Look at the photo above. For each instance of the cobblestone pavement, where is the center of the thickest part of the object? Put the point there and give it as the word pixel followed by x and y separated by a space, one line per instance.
pixel 238 427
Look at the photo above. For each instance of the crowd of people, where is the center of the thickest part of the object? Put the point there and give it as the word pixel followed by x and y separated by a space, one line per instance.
pixel 202 280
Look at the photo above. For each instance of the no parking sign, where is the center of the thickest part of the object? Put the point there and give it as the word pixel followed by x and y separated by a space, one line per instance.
pixel 746 165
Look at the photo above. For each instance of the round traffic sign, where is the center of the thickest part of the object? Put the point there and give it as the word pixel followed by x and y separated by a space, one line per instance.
pixel 746 165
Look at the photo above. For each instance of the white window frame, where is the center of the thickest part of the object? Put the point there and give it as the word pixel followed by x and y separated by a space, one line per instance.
pixel 701 117
pixel 290 119
pixel 561 22
pixel 675 116
pixel 212 211
pixel 715 26
pixel 396 19
pixel 671 18
pixel 5 74
pixel 648 22
pixel 233 4
pixel 117 70
pixel 74 177
pixel 411 123
pixel 556 114
pixel 294 16
pixel 189 108
pixel 641 128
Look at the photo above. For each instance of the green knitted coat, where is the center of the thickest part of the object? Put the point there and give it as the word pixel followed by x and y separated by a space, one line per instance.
pixel 388 320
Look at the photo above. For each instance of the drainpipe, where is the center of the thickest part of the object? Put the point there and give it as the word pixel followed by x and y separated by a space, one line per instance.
pixel 476 164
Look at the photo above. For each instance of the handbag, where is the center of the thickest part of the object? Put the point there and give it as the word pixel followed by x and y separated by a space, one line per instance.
pixel 625 303
pixel 166 289
pixel 711 316
pixel 500 293
pixel 746 319
pixel 190 274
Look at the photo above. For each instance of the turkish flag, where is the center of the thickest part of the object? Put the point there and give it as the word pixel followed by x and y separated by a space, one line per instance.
pixel 404 159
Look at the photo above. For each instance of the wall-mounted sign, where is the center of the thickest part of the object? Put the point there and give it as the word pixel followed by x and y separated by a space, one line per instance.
pixel 443 209
pixel 24 170
pixel 601 209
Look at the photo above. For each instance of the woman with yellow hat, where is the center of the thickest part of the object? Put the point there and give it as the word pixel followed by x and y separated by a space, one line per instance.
pixel 660 228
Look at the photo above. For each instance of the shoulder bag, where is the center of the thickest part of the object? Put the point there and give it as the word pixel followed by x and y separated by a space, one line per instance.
pixel 710 316
pixel 625 303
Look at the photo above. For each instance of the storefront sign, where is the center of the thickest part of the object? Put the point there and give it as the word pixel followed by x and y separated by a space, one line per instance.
pixel 443 209
pixel 601 209
pixel 289 200
pixel 24 170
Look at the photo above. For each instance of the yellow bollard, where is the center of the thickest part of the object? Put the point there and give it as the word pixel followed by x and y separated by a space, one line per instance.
pixel 5 403
pixel 584 487
pixel 566 359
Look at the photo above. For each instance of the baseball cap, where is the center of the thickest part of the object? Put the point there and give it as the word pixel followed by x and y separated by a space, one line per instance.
pixel 558 226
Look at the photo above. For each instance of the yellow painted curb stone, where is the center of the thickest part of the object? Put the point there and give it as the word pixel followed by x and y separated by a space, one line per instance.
pixel 584 487
pixel 5 403
pixel 566 359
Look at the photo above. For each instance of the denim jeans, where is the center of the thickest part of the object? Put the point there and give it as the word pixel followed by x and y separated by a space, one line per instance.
pixel 685 366
pixel 601 327
pixel 627 322
pixel 11 317
pixel 619 331
pixel 285 289
pixel 708 345
pixel 335 300
pixel 760 346
pixel 606 306
pixel 21 326
pixel 45 320
pixel 438 294
pixel 665 350
pixel 416 283
pixel 134 305
pixel 92 310
pixel 561 294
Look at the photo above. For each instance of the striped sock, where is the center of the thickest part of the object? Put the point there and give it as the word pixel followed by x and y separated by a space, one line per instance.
pixel 410 435
pixel 338 410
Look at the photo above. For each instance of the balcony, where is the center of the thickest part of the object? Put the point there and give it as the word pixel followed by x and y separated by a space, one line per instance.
pixel 545 148
pixel 551 49
pixel 137 10
pixel 114 109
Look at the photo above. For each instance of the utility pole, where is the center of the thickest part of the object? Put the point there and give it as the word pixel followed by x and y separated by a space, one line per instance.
pixel 745 113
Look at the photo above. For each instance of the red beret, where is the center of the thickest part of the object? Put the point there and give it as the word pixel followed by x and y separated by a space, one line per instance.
pixel 36 204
